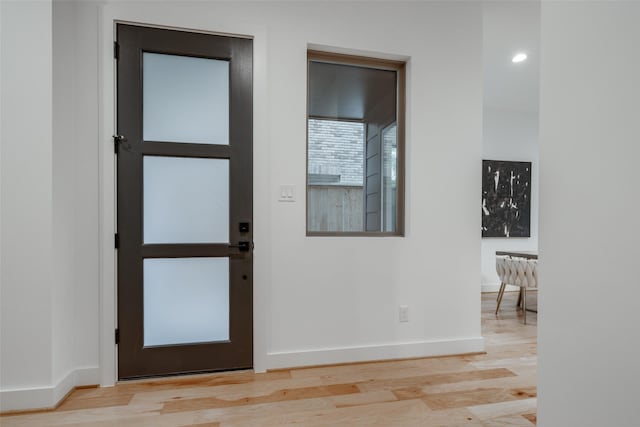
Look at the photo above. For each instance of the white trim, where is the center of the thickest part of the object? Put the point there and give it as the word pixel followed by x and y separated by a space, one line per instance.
pixel 106 166
pixel 357 52
pixel 330 356
pixel 109 14
pixel 64 386
pixel 47 397
pixel 495 287
pixel 261 202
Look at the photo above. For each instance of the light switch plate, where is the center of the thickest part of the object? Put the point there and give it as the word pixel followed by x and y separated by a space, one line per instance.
pixel 287 193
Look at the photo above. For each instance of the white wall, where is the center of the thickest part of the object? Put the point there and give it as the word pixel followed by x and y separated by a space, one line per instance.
pixel 75 201
pixel 510 135
pixel 82 162
pixel 26 203
pixel 317 300
pixel 588 349
pixel 48 289
pixel 64 213
pixel 323 300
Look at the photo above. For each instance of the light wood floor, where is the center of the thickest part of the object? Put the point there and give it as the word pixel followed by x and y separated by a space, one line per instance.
pixel 493 389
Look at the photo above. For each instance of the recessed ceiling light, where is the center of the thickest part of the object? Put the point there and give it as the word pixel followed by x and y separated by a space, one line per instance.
pixel 519 57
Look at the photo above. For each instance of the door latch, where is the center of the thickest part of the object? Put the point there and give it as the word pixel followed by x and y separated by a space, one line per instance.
pixel 243 246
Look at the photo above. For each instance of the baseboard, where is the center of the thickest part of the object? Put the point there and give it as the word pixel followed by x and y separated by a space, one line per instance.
pixel 495 287
pixel 47 397
pixel 281 360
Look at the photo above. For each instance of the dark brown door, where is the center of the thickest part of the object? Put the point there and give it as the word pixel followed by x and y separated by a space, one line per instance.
pixel 184 153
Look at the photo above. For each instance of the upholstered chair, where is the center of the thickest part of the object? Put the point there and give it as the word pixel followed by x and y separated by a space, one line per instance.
pixel 518 272
pixel 502 274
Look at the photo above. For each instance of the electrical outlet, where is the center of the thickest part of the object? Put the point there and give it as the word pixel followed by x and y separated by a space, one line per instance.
pixel 403 313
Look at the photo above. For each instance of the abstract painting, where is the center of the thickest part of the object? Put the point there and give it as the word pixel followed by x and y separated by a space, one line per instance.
pixel 506 199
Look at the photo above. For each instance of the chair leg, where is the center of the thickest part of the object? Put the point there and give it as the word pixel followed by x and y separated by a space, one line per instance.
pixel 520 298
pixel 524 304
pixel 500 295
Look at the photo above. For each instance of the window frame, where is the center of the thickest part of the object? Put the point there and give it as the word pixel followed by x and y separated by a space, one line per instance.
pixel 376 63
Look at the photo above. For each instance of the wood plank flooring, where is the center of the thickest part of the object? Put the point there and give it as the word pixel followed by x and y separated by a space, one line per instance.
pixel 493 389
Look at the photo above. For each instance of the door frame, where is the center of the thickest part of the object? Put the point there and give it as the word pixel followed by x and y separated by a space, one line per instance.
pixel 110 16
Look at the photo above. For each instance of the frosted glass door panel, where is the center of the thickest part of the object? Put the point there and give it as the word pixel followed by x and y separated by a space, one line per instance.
pixel 186 200
pixel 185 99
pixel 186 300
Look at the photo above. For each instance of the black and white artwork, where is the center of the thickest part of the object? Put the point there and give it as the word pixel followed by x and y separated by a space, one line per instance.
pixel 506 198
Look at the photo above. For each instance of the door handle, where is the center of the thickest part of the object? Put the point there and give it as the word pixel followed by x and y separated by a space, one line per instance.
pixel 243 246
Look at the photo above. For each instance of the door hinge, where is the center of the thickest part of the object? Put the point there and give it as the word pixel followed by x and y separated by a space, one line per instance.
pixel 117 336
pixel 116 50
pixel 116 241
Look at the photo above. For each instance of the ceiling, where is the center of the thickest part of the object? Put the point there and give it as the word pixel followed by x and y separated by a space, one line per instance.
pixel 511 27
